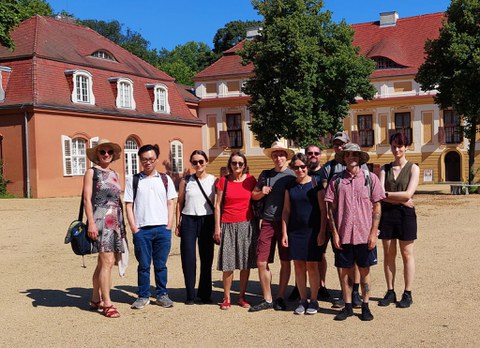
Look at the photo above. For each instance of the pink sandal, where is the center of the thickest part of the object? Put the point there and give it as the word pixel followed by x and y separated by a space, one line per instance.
pixel 242 303
pixel 225 305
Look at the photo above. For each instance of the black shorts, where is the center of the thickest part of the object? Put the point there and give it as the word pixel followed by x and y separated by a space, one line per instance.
pixel 398 222
pixel 358 254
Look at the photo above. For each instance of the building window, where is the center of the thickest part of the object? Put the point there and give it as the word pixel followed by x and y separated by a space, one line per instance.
pixel 74 156
pixel 82 91
pixel 103 55
pixel 131 157
pixel 176 156
pixel 93 143
pixel 365 130
pixel 211 88
pixel 234 129
pixel 161 100
pixel 124 93
pixel 403 125
pixel 386 63
pixel 451 121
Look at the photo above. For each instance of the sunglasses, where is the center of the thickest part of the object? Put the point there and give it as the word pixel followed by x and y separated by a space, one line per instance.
pixel 147 160
pixel 201 162
pixel 302 167
pixel 240 164
pixel 310 153
pixel 103 152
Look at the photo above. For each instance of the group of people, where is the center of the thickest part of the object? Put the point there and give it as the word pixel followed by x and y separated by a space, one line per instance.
pixel 297 207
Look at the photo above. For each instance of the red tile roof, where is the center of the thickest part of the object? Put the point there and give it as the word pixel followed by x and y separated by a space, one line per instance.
pixel 229 65
pixel 46 47
pixel 403 43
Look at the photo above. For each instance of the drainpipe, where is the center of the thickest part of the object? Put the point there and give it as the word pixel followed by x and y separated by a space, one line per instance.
pixel 27 158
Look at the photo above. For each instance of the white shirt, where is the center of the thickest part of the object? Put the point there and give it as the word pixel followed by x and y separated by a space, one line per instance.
pixel 195 202
pixel 150 208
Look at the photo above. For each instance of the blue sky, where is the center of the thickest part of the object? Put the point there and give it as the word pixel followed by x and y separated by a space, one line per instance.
pixel 167 23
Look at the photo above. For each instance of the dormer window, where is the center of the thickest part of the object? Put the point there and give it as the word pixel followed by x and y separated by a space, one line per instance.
pixel 103 55
pixel 386 63
pixel 82 91
pixel 124 93
pixel 160 98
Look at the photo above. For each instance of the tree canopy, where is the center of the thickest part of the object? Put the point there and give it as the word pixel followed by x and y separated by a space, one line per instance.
pixel 232 33
pixel 12 12
pixel 307 72
pixel 452 67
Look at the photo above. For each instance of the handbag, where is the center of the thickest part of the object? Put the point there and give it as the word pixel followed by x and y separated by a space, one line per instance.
pixel 77 236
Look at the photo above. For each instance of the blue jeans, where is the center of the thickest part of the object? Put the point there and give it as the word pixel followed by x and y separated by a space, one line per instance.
pixel 152 243
pixel 199 228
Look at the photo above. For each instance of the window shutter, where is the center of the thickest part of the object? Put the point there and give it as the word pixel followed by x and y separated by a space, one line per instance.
pixel 67 155
pixel 173 151
pixel 180 158
pixel 441 135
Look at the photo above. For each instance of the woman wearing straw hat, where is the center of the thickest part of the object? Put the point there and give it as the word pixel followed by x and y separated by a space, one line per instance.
pixel 103 207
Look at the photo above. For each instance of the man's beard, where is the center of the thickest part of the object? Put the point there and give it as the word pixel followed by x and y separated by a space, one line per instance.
pixel 312 165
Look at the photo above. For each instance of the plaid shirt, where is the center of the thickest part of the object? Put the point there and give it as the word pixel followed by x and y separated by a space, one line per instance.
pixel 353 205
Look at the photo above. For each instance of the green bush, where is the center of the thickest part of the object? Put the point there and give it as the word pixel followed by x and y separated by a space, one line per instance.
pixel 3 182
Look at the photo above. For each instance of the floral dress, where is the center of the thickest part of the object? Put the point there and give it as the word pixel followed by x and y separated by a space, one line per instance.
pixel 108 212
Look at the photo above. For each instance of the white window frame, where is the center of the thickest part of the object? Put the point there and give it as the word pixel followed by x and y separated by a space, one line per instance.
pixel 83 95
pixel 131 157
pixel 161 105
pixel 176 156
pixel 93 142
pixel 124 98
pixel 74 156
pixel 7 70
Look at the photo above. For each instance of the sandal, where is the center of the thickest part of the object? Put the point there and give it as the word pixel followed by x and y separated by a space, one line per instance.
pixel 242 303
pixel 225 305
pixel 110 312
pixel 95 306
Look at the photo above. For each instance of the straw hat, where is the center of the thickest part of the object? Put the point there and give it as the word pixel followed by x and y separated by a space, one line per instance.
pixel 352 147
pixel 92 153
pixel 277 146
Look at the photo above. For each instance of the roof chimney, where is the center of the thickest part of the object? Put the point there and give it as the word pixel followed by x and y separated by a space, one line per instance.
pixel 252 32
pixel 388 19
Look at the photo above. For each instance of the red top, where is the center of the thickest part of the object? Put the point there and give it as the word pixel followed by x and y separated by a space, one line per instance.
pixel 236 204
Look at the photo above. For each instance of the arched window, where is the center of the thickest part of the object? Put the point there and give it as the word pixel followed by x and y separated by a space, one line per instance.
pixel 103 55
pixel 131 157
pixel 161 100
pixel 124 98
pixel 74 156
pixel 176 156
pixel 82 91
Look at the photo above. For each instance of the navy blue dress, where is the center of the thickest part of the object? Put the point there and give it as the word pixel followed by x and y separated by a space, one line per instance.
pixel 304 223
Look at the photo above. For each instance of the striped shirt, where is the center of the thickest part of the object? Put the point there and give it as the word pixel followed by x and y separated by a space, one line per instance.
pixel 354 206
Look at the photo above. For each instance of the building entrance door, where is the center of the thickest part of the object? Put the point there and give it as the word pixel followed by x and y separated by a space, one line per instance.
pixel 452 166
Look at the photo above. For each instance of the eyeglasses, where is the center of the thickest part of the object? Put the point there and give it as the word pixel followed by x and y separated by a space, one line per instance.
pixel 147 160
pixel 302 167
pixel 201 162
pixel 240 164
pixel 338 145
pixel 103 152
pixel 310 153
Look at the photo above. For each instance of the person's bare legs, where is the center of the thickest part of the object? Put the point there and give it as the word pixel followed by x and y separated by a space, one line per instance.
pixel 313 279
pixel 389 266
pixel 285 270
pixel 227 285
pixel 96 300
pixel 301 278
pixel 322 269
pixel 406 249
pixel 105 263
pixel 346 276
pixel 365 283
pixel 265 277
pixel 244 275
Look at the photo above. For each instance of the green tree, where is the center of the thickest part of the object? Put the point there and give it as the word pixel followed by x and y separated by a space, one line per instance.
pixel 452 67
pixel 29 8
pixel 306 72
pixel 12 12
pixel 9 18
pixel 184 61
pixel 232 33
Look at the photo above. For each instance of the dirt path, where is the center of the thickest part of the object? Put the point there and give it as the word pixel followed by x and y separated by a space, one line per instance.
pixel 45 292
